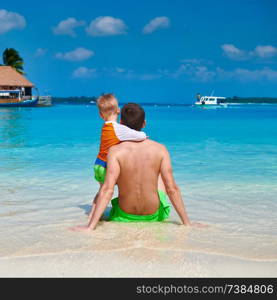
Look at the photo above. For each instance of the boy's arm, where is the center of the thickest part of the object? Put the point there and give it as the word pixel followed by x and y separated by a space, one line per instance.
pixel 124 133
pixel 172 189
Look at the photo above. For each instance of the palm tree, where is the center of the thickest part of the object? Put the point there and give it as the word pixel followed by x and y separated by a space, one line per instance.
pixel 12 58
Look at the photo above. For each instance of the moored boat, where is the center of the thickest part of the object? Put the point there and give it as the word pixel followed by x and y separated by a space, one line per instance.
pixel 44 101
pixel 14 99
pixel 209 100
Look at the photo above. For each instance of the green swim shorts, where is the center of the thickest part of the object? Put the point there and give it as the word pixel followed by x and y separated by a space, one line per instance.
pixel 117 214
pixel 99 173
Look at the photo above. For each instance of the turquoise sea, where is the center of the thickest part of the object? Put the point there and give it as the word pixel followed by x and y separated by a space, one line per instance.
pixel 224 161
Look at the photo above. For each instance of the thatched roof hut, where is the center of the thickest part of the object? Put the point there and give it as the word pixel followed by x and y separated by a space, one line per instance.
pixel 10 79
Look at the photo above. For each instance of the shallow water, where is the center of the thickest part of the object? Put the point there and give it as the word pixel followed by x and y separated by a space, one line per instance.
pixel 224 160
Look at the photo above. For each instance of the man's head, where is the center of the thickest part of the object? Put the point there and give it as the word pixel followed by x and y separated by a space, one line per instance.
pixel 133 116
pixel 108 106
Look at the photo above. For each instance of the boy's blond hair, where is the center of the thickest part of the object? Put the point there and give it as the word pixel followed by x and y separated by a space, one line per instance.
pixel 107 104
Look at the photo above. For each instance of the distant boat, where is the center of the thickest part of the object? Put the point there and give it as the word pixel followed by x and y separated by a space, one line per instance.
pixel 44 101
pixel 209 100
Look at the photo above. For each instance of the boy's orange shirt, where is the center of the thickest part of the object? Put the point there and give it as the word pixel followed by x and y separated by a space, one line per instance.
pixel 112 134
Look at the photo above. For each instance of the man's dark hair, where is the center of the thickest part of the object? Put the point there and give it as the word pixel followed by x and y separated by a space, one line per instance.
pixel 133 116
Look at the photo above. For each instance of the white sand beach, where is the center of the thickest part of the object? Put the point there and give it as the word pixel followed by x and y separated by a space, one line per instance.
pixel 136 262
pixel 133 250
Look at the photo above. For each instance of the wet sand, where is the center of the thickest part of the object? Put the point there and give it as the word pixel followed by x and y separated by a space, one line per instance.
pixel 165 249
pixel 136 262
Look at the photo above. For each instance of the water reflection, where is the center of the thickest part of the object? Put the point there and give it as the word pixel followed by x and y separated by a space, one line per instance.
pixel 12 128
pixel 212 107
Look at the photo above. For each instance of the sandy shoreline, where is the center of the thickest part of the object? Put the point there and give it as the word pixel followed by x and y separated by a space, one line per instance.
pixel 136 262
pixel 134 250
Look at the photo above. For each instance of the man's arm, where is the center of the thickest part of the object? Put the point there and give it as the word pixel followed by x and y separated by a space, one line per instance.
pixel 172 189
pixel 106 192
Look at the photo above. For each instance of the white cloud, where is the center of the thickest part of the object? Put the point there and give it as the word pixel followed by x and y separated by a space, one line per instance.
pixel 156 23
pixel 203 74
pixel 122 73
pixel 200 73
pixel 10 20
pixel 102 26
pixel 265 51
pixel 116 72
pixel 197 61
pixel 78 54
pixel 246 75
pixel 197 73
pixel 40 52
pixel 194 72
pixel 120 70
pixel 130 74
pixel 84 72
pixel 235 53
pixel 66 27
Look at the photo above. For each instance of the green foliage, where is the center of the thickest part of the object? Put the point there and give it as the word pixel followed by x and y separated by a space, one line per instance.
pixel 12 58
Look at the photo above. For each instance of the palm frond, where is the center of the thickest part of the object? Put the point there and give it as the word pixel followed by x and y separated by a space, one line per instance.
pixel 12 58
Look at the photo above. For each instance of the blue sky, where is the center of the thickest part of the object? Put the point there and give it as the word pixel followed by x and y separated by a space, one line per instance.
pixel 147 50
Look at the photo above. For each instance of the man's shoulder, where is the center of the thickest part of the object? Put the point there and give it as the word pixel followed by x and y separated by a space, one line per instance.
pixel 156 144
pixel 115 148
pixel 125 146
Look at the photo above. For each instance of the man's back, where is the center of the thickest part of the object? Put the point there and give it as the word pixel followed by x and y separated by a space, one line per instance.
pixel 138 179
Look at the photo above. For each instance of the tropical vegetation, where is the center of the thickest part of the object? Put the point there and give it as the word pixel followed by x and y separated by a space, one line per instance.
pixel 12 58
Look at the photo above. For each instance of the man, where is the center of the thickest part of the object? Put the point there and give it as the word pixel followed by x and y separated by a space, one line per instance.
pixel 135 167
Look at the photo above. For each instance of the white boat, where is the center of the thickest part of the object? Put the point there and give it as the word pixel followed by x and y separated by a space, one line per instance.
pixel 210 100
pixel 45 100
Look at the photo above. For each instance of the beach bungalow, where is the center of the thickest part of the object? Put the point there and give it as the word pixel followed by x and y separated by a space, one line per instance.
pixel 15 89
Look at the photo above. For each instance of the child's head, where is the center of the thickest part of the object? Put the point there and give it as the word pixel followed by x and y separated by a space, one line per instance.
pixel 108 106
